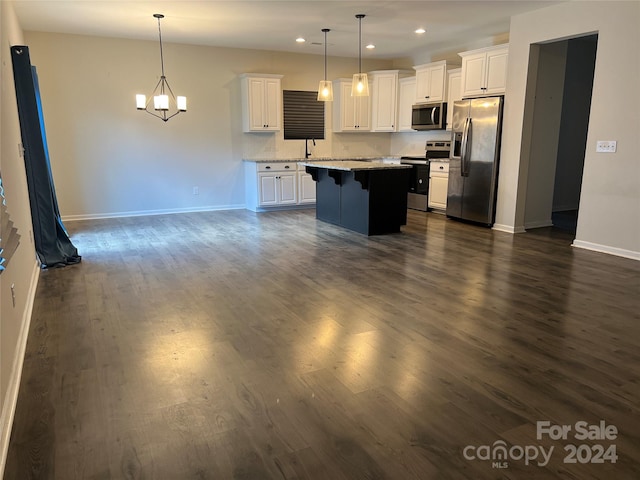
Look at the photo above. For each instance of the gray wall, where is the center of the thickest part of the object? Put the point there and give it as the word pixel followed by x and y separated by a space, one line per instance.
pixel 545 131
pixel 611 182
pixel 22 271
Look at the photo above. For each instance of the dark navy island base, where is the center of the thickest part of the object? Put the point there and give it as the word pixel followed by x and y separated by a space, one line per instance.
pixel 366 199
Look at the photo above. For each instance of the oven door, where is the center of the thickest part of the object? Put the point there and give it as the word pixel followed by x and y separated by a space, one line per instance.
pixel 419 179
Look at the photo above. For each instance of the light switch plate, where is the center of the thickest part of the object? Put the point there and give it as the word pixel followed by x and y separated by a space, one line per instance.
pixel 606 146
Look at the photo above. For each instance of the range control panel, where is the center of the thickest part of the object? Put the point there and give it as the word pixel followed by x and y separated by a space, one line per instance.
pixel 438 148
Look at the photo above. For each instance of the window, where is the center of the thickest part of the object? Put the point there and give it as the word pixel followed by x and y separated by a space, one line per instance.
pixel 303 115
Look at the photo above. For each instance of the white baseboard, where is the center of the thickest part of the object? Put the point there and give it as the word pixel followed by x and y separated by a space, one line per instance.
pixel 596 247
pixel 11 396
pixel 507 228
pixel 144 213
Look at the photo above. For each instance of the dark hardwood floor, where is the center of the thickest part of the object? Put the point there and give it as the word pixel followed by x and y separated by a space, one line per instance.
pixel 234 345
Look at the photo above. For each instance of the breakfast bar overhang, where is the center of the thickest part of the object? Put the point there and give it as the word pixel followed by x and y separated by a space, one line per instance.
pixel 367 197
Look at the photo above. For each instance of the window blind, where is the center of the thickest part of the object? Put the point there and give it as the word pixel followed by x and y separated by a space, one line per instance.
pixel 303 115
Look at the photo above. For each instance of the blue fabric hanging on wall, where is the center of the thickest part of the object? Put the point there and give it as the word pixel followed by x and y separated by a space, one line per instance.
pixel 53 246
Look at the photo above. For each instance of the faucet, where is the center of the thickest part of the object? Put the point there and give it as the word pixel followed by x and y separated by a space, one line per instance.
pixel 307 153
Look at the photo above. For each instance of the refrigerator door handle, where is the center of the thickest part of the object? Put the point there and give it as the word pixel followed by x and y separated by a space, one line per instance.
pixel 464 149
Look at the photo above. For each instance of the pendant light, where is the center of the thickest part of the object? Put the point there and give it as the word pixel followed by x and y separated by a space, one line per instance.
pixel 360 85
pixel 325 89
pixel 162 95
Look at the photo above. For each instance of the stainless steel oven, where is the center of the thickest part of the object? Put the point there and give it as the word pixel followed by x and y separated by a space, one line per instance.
pixel 418 192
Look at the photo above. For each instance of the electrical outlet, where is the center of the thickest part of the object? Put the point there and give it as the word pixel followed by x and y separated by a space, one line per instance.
pixel 196 191
pixel 606 146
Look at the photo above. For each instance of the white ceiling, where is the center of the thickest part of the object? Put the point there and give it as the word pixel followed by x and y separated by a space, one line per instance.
pixel 274 25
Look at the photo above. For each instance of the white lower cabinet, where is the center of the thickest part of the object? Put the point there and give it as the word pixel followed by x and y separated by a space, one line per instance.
pixel 277 184
pixel 438 185
pixel 277 188
pixel 306 187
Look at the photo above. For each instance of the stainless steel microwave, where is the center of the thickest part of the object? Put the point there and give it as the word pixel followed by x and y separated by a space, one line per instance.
pixel 429 116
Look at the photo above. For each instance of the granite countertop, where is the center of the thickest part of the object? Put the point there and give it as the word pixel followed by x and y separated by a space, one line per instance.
pixel 352 165
pixel 321 159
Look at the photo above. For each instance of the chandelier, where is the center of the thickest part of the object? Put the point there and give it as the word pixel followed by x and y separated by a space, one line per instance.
pixel 164 101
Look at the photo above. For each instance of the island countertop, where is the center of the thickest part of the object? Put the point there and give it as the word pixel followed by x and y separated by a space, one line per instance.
pixel 352 165
pixel 390 158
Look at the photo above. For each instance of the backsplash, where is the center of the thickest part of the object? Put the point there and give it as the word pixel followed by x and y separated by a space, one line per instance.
pixel 412 144
pixel 340 145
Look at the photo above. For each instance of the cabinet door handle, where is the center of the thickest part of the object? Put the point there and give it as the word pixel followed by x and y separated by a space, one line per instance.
pixel 267 167
pixel 441 168
pixel 286 166
pixel 426 96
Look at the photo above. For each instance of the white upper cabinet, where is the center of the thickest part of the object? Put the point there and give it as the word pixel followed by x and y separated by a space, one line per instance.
pixel 261 102
pixel 406 100
pixel 350 114
pixel 384 100
pixel 430 82
pixel 484 71
pixel 454 92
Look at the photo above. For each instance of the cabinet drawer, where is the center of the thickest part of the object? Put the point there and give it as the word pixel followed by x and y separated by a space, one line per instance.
pixel 277 167
pixel 439 168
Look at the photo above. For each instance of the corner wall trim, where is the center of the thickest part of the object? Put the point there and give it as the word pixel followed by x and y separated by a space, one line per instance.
pixel 507 228
pixel 11 397
pixel 538 224
pixel 596 247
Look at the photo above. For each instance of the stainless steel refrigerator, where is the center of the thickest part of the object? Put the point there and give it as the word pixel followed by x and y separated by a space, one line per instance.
pixel 473 164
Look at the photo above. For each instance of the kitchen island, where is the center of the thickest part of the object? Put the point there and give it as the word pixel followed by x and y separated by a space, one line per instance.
pixel 367 197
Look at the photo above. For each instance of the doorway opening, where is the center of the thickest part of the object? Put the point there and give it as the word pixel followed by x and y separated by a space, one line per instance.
pixel 558 105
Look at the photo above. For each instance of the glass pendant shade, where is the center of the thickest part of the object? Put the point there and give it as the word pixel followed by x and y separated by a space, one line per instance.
pixel 325 91
pixel 360 85
pixel 182 103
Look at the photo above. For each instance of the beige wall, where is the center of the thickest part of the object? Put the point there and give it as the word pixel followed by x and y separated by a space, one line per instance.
pixel 22 271
pixel 609 217
pixel 109 159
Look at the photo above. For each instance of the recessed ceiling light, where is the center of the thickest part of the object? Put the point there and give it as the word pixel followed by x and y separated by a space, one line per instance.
pixel 371 46
pixel 300 40
pixel 420 31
